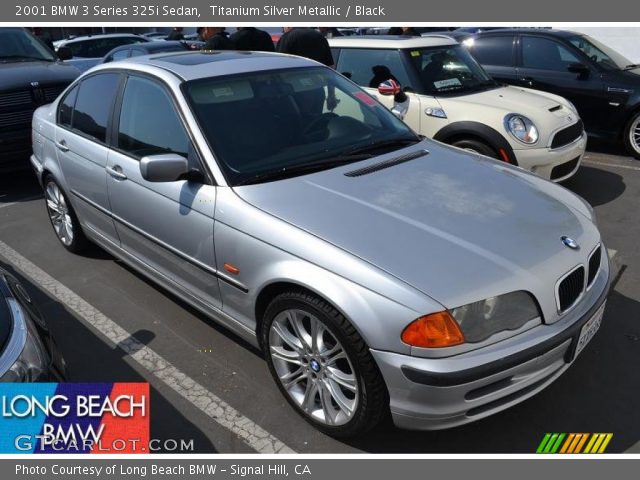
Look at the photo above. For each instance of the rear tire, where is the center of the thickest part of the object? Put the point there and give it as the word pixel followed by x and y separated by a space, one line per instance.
pixel 332 381
pixel 476 146
pixel 63 218
pixel 632 135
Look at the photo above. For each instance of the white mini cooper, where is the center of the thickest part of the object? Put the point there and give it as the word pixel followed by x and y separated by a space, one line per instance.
pixel 439 90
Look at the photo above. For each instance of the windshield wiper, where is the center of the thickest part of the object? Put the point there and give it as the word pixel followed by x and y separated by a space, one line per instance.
pixel 372 147
pixel 295 170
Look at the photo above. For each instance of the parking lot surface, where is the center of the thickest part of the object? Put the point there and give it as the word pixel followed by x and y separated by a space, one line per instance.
pixel 207 385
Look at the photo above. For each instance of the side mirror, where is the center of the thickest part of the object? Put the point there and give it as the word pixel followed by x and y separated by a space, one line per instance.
pixel 168 167
pixel 389 87
pixel 579 68
pixel 64 53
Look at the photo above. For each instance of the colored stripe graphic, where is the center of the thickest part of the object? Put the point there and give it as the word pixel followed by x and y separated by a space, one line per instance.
pixel 574 443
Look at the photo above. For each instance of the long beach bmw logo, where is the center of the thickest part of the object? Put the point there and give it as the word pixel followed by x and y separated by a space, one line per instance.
pixel 570 242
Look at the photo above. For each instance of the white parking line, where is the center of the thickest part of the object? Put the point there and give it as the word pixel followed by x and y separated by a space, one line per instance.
pixel 603 164
pixel 26 199
pixel 210 404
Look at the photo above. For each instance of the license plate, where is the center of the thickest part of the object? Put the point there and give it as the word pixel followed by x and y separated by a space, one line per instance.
pixel 589 329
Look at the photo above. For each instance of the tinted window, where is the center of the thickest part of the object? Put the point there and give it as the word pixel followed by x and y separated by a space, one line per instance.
pixel 493 50
pixel 369 68
pixel 120 54
pixel 99 47
pixel 545 54
pixel 65 110
pixel 149 123
pixel 93 106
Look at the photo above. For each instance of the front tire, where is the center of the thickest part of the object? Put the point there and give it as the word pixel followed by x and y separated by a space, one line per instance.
pixel 322 365
pixel 632 135
pixel 63 218
pixel 476 146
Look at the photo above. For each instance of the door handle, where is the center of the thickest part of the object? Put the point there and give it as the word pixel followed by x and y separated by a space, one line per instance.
pixel 62 146
pixel 528 80
pixel 116 172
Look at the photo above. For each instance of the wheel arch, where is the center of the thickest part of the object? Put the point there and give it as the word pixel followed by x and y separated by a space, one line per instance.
pixel 477 131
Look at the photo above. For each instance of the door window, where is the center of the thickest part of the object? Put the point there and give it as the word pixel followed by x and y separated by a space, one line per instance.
pixel 149 123
pixel 544 54
pixel 494 50
pixel 93 107
pixel 65 109
pixel 369 68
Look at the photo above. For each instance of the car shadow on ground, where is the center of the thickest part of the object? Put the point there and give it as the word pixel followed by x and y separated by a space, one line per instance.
pixel 18 186
pixel 91 359
pixel 596 185
pixel 597 394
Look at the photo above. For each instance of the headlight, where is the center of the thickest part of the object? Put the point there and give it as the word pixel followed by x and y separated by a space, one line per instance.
pixel 521 128
pixel 480 320
pixel 32 360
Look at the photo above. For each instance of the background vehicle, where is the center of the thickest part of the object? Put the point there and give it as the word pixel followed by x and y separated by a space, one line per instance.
pixel 447 96
pixel 376 269
pixel 138 49
pixel 30 76
pixel 602 84
pixel 88 50
pixel 28 352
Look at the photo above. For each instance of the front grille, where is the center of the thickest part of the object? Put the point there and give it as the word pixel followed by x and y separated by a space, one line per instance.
pixel 564 169
pixel 568 135
pixel 16 119
pixel 15 98
pixel 51 93
pixel 570 288
pixel 594 265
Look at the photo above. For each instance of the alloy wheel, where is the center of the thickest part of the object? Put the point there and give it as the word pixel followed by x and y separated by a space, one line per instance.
pixel 313 367
pixel 59 214
pixel 634 134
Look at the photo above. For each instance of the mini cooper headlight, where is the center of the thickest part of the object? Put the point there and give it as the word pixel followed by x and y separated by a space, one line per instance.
pixel 521 128
pixel 480 320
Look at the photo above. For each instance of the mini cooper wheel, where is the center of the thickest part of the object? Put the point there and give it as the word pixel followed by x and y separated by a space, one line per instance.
pixel 63 218
pixel 322 366
pixel 632 136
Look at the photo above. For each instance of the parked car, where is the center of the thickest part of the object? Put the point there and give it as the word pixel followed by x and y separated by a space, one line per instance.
pixel 28 352
pixel 447 96
pixel 139 49
pixel 89 50
pixel 155 35
pixel 602 84
pixel 30 76
pixel 375 269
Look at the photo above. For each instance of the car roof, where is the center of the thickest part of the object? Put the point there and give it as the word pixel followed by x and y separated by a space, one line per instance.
pixel 193 65
pixel 539 31
pixel 392 41
pixel 99 36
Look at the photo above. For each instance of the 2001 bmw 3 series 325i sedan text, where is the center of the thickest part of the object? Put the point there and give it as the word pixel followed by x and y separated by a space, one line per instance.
pixel 377 271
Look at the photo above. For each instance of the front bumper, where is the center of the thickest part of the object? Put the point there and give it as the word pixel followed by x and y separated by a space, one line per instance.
pixel 15 148
pixel 556 164
pixel 439 393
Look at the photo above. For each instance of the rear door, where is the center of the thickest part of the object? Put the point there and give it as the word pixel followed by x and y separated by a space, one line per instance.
pixel 544 64
pixel 81 141
pixel 167 226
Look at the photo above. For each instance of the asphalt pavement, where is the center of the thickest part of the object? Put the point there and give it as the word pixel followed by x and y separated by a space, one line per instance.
pixel 211 387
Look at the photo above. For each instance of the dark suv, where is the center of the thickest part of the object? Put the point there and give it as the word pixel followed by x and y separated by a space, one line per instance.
pixel 30 76
pixel 602 84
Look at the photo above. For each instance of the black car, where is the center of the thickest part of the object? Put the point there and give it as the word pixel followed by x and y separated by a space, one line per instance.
pixel 135 50
pixel 28 352
pixel 30 76
pixel 602 84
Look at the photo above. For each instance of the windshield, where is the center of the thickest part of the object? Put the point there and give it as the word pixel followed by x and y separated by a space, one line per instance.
pixel 261 123
pixel 601 54
pixel 20 46
pixel 449 70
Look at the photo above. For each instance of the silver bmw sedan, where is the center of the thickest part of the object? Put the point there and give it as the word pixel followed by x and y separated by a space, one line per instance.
pixel 378 271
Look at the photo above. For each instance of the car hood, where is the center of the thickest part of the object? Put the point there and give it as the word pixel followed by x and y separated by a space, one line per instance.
pixel 18 75
pixel 514 99
pixel 451 224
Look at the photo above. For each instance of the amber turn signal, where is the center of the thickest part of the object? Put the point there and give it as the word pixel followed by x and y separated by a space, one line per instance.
pixel 433 331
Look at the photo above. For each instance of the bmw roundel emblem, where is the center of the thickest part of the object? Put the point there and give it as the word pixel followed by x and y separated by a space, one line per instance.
pixel 570 242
